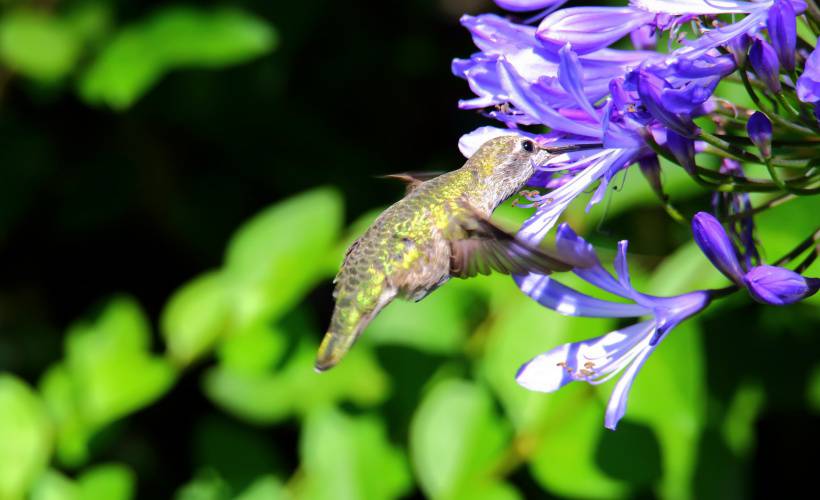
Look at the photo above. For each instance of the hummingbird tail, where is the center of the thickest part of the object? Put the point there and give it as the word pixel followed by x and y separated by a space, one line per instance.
pixel 346 326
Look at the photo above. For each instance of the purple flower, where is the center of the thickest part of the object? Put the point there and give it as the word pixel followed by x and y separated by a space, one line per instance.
pixel 759 129
pixel 729 204
pixel 589 29
pixel 764 62
pixel 766 284
pixel 716 245
pixel 778 286
pixel 683 149
pixel 782 26
pixel 621 351
pixel 808 85
pixel 526 5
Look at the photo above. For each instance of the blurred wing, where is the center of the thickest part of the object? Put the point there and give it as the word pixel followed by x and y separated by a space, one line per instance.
pixel 486 247
pixel 412 179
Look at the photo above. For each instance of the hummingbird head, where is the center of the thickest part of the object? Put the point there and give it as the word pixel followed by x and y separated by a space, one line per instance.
pixel 505 163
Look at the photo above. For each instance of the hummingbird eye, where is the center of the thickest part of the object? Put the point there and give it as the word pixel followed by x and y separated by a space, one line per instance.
pixel 528 146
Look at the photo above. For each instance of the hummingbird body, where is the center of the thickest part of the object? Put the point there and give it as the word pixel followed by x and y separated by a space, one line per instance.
pixel 439 229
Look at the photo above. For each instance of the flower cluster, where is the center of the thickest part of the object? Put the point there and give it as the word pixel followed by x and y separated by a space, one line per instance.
pixel 637 83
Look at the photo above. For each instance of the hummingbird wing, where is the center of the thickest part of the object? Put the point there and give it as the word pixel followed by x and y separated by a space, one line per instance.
pixel 486 247
pixel 412 179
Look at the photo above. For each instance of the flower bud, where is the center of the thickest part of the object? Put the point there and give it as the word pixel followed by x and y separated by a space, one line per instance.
pixel 716 245
pixel 763 59
pixel 739 47
pixel 778 286
pixel 759 129
pixel 782 26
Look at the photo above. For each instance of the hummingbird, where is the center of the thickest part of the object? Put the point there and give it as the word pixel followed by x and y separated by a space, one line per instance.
pixel 441 229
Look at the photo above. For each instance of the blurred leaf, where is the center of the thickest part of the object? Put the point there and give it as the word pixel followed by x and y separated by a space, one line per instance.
pixel 741 418
pixel 455 438
pixel 25 437
pixel 255 351
pixel 89 20
pixel 489 489
pixel 350 458
pixel 73 431
pixel 275 258
pixel 547 424
pixel 813 392
pixel 110 361
pixel 440 321
pixel 207 485
pixel 37 45
pixel 172 38
pixel 196 316
pixel 564 458
pixel 295 388
pixel 265 488
pixel 669 394
pixel 108 373
pixel 111 482
pixel 54 486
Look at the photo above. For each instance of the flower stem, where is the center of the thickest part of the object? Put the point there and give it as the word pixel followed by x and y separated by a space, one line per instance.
pixel 800 248
pixel 774 202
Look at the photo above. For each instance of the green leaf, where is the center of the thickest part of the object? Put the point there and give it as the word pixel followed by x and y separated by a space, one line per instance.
pixel 25 437
pixel 172 38
pixel 455 438
pixel 207 485
pixel 196 316
pixel 349 458
pixel 110 481
pixel 110 362
pixel 265 488
pixel 73 432
pixel 37 45
pixel 52 485
pixel 440 322
pixel 267 396
pixel 109 372
pixel 275 258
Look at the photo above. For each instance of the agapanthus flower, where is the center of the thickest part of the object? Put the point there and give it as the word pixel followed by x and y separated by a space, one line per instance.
pixel 766 284
pixel 808 85
pixel 623 351
pixel 759 128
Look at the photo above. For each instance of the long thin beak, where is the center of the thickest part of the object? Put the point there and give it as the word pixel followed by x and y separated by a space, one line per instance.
pixel 573 147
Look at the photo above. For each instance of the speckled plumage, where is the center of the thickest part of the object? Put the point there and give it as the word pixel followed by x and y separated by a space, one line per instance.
pixel 407 251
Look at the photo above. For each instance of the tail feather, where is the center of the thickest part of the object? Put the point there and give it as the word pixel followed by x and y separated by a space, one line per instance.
pixel 347 324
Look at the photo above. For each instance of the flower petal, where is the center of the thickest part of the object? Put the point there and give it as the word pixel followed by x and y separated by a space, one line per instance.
pixel 616 408
pixel 589 28
pixel 525 5
pixel 776 286
pixel 808 85
pixel 715 244
pixel 571 78
pixel 564 300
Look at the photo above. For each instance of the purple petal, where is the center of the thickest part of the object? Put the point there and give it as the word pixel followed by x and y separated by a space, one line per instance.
pixel 589 28
pixel 759 129
pixel 570 76
pixel 526 5
pixel 572 246
pixel 808 85
pixel 680 7
pixel 590 360
pixel 715 244
pixel 644 38
pixel 683 149
pixel 776 286
pixel 563 299
pixel 764 62
pixel 537 226
pixel 524 97
pixel 782 26
pixel 622 265
pixel 616 407
pixel 650 88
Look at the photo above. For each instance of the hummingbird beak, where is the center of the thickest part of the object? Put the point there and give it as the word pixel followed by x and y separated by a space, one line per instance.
pixel 570 148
